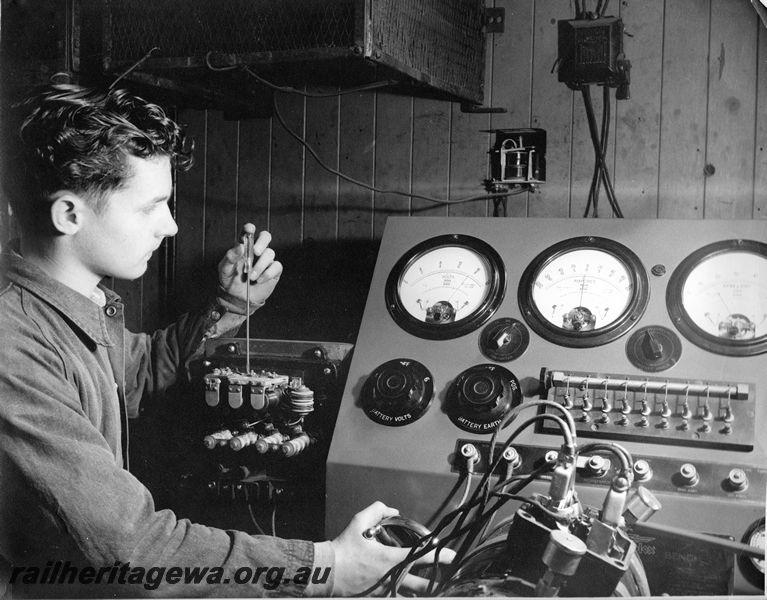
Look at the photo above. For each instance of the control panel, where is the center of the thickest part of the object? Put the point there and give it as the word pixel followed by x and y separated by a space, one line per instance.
pixel 647 333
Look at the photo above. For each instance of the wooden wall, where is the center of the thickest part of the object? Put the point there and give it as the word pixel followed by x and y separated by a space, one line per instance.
pixel 698 98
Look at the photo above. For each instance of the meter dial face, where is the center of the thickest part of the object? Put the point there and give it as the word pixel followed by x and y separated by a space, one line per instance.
pixel 583 292
pixel 717 297
pixel 446 287
pixel 752 567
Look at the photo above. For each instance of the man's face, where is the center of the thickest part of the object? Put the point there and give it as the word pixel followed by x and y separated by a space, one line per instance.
pixel 119 240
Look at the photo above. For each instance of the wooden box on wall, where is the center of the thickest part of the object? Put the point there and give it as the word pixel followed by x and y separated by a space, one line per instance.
pixel 437 46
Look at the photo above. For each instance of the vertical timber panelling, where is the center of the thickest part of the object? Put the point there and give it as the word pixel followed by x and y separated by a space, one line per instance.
pixel 287 172
pixel 760 147
pixel 698 97
pixel 510 57
pixel 683 109
pixel 221 227
pixel 468 168
pixel 190 215
pixel 357 154
pixel 253 173
pixel 321 188
pixel 731 112
pixel 468 162
pixel 393 135
pixel 637 124
pixel 552 110
pixel 431 154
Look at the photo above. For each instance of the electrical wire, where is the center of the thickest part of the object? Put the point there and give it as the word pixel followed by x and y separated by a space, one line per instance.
pixel 495 196
pixel 253 519
pixel 373 188
pixel 426 543
pixel 466 527
pixel 274 518
pixel 466 489
pixel 627 463
pixel 292 90
pixel 599 141
pixel 459 482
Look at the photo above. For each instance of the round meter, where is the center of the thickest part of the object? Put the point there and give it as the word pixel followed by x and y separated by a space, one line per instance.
pixel 751 567
pixel 445 287
pixel 717 297
pixel 583 292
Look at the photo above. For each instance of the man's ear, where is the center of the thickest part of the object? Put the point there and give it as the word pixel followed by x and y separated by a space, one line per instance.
pixel 67 212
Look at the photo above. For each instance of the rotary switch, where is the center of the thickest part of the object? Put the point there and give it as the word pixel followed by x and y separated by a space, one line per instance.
pixel 397 392
pixel 654 348
pixel 504 340
pixel 480 397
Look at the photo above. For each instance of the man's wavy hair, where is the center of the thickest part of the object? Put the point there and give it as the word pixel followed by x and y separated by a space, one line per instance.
pixel 67 137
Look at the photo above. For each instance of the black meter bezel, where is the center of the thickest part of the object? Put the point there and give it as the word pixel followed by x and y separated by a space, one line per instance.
pixel 681 318
pixel 594 337
pixel 446 331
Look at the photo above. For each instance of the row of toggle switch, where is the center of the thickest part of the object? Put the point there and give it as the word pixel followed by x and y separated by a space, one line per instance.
pixel 712 414
pixel 625 410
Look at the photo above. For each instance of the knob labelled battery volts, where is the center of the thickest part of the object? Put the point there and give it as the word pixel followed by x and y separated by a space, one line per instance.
pixel 397 392
pixel 480 396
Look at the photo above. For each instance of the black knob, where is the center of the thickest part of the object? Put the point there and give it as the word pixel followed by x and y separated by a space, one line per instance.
pixel 654 348
pixel 480 396
pixel 398 392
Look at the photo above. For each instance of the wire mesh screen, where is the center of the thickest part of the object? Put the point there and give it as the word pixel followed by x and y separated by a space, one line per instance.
pixel 441 40
pixel 437 42
pixel 180 28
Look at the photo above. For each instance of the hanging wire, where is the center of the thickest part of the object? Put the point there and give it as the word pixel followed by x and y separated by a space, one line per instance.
pixel 373 188
pixel 498 197
pixel 133 67
pixel 599 141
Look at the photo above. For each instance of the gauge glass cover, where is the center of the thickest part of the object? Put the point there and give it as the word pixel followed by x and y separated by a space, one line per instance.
pixel 583 289
pixel 717 297
pixel 583 292
pixel 446 286
pixel 726 295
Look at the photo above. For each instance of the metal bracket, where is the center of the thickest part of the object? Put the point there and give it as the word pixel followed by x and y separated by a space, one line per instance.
pixel 495 20
pixel 478 109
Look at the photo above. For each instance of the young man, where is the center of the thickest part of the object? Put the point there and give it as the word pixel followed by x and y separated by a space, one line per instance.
pixel 89 176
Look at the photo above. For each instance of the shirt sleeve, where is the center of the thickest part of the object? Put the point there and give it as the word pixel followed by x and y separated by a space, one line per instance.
pixel 65 498
pixel 153 363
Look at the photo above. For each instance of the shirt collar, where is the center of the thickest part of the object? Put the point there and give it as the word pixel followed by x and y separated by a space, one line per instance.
pixel 82 311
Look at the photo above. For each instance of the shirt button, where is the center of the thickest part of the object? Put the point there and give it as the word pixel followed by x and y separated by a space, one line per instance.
pixel 215 315
pixel 111 310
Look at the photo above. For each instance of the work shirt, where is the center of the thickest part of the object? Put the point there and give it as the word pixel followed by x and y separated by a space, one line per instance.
pixel 70 375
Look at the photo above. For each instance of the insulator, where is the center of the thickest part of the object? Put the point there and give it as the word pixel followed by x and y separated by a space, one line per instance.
pixel 217 438
pixel 265 443
pixel 246 439
pixel 301 400
pixel 296 445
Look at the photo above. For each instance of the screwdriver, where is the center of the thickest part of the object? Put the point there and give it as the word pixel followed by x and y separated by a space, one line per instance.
pixel 249 230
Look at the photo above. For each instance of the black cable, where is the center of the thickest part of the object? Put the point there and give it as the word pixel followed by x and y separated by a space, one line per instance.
pixel 476 529
pixel 458 484
pixel 599 150
pixel 469 528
